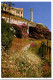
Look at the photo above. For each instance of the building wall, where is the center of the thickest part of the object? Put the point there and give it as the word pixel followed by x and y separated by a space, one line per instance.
pixel 17 11
pixel 13 10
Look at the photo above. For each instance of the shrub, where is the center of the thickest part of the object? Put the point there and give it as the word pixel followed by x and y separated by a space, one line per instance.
pixel 6 34
pixel 39 32
pixel 39 24
pixel 18 31
pixel 33 45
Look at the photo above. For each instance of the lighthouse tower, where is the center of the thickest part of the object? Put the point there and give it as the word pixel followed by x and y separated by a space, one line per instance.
pixel 31 14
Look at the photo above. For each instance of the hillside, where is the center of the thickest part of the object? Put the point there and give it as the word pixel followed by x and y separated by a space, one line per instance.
pixel 25 55
pixel 37 31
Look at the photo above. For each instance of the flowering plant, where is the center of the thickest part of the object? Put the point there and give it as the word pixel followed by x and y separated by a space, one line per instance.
pixel 32 44
pixel 24 25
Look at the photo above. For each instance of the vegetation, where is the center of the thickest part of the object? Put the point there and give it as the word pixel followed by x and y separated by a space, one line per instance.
pixel 39 25
pixel 9 4
pixel 22 62
pixel 27 64
pixel 6 34
pixel 39 32
pixel 18 31
pixel 4 6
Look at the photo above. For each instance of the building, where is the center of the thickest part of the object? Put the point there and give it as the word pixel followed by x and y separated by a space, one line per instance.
pixel 17 11
pixel 13 10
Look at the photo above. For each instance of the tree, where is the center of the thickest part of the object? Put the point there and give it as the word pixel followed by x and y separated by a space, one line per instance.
pixel 2 7
pixel 9 4
pixel 6 35
pixel 5 7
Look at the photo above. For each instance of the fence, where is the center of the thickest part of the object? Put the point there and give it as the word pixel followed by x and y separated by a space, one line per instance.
pixel 45 50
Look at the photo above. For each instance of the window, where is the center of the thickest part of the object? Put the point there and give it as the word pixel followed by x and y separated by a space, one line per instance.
pixel 17 12
pixel 21 12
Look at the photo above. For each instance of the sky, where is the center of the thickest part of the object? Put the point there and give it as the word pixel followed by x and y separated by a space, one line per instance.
pixel 41 11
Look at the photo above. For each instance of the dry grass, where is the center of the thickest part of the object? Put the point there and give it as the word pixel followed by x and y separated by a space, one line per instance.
pixel 25 64
pixel 22 64
pixel 18 44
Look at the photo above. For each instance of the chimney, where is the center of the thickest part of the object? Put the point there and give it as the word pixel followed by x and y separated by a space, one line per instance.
pixel 31 14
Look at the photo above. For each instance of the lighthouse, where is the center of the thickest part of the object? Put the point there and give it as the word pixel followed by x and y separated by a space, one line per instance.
pixel 31 14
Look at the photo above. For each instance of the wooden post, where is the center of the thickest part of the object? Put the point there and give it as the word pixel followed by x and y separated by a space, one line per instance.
pixel 49 53
pixel 46 51
pixel 42 49
pixel 47 45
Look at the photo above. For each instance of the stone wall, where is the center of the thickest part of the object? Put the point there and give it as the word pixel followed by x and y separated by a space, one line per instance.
pixel 12 21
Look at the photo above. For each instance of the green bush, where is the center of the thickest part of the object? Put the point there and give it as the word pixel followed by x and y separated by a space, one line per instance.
pixel 39 24
pixel 18 31
pixel 6 34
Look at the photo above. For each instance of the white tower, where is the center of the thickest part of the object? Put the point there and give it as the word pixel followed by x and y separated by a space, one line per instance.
pixel 31 14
